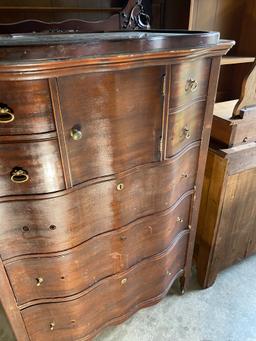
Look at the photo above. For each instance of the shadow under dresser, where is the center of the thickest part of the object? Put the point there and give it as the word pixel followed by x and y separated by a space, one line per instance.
pixel 103 143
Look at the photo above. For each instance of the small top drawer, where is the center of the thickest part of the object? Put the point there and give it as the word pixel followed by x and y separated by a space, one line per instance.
pixel 25 107
pixel 184 127
pixel 189 81
pixel 30 168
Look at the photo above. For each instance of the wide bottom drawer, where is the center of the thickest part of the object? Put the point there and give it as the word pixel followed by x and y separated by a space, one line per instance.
pixel 110 301
pixel 66 273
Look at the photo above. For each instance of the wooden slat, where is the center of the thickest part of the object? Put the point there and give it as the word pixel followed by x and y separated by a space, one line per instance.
pixel 236 60
pixel 62 9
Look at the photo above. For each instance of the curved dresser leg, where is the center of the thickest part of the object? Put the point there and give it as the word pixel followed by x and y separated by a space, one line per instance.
pixel 182 281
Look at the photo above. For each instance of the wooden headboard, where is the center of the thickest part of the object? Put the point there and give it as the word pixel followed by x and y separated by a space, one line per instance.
pixel 94 16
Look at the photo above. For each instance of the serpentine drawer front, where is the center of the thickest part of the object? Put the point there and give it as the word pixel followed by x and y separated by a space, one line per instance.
pixel 25 107
pixel 103 140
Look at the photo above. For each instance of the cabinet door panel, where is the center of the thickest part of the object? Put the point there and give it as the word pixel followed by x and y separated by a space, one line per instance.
pixel 119 115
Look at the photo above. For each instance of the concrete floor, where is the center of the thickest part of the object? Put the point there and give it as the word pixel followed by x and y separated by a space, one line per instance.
pixel 224 312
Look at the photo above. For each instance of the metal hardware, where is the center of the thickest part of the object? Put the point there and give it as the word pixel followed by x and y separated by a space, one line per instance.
pixel 168 273
pixel 191 85
pixel 52 227
pixel 123 237
pixel 184 175
pixel 189 227
pixel 19 175
pixel 179 220
pixel 164 78
pixel 76 134
pixel 161 146
pixel 245 140
pixel 52 325
pixel 124 281
pixel 187 133
pixel 120 186
pixel 25 228
pixel 6 114
pixel 39 281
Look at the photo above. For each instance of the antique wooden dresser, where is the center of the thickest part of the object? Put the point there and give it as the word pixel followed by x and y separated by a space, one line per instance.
pixel 103 142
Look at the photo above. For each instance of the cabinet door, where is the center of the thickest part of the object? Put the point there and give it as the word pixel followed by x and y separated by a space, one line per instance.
pixel 112 120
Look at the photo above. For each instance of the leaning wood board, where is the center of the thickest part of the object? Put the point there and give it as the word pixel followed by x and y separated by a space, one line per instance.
pixel 103 143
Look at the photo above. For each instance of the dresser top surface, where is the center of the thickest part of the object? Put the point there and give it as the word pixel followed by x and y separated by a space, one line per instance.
pixel 188 38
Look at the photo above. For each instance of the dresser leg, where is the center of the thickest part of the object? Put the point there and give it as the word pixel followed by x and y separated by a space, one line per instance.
pixel 182 285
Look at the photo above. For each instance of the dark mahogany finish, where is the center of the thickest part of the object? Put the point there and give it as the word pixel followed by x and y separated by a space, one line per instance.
pixel 100 257
pixel 131 289
pixel 160 186
pixel 36 158
pixel 193 77
pixel 184 127
pixel 112 129
pixel 110 136
pixel 30 103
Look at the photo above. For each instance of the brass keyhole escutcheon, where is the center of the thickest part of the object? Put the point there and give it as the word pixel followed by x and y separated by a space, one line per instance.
pixel 191 85
pixel 6 114
pixel 19 175
pixel 76 133
pixel 120 186
pixel 39 281
pixel 124 281
pixel 52 325
pixel 187 133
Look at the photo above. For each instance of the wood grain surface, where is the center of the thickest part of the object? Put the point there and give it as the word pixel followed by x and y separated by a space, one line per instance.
pixel 72 271
pixel 31 104
pixel 77 217
pixel 116 298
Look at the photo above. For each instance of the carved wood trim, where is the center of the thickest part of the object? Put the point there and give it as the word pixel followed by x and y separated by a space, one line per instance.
pixel 248 94
pixel 132 17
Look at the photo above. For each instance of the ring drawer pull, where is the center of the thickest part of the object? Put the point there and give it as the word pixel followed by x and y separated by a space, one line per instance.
pixel 6 114
pixel 187 133
pixel 76 134
pixel 191 85
pixel 19 175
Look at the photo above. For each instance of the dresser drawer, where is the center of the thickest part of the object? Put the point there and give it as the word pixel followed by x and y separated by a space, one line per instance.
pixel 189 81
pixel 115 297
pixel 184 127
pixel 28 168
pixel 25 107
pixel 61 274
pixel 95 209
pixel 112 120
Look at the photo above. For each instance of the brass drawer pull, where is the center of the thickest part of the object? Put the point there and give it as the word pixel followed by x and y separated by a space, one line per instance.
pixel 187 133
pixel 76 134
pixel 191 85
pixel 19 175
pixel 6 114
pixel 39 281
